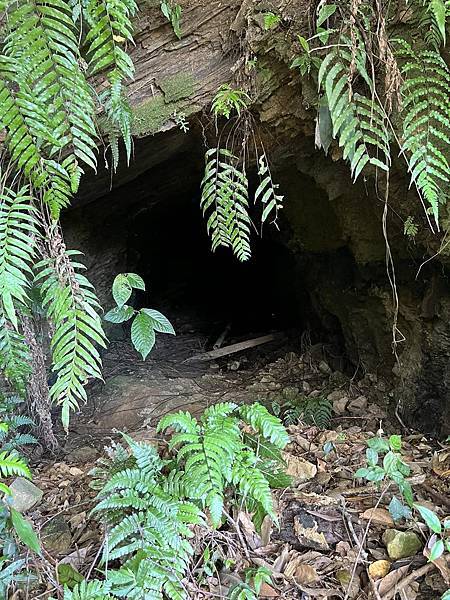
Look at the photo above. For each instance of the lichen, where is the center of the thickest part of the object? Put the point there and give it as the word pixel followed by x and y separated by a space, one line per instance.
pixel 177 87
pixel 150 116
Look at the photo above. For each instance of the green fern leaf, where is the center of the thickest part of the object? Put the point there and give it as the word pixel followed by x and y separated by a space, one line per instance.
pixel 426 122
pixel 269 426
pixel 12 464
pixel 71 304
pixel 225 199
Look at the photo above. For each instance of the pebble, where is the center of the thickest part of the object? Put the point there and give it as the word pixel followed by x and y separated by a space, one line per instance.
pixel 379 569
pixel 24 494
pixel 401 544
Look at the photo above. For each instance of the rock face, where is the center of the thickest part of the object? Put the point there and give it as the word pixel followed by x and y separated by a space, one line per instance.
pixel 333 273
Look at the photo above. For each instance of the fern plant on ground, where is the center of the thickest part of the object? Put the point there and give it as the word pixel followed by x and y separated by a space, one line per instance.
pixel 150 505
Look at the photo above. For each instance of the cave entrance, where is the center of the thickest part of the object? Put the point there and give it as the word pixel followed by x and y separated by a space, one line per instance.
pixel 151 224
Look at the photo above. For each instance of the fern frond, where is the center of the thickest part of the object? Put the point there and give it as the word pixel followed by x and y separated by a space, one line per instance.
pixel 12 464
pixel 72 305
pixel 269 426
pixel 426 123
pixel 15 361
pixel 18 234
pixel 180 421
pixel 251 482
pixel 225 199
pixel 266 191
pixel 88 590
pixel 317 411
pixel 358 122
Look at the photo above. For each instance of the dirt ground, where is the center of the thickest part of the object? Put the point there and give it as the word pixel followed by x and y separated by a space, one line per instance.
pixel 327 539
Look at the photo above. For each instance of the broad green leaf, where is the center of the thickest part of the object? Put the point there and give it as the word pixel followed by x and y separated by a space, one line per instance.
pixel 390 462
pixel 135 281
pixel 395 442
pixel 437 550
pixel 446 595
pixel 121 289
pixel 143 334
pixel 160 322
pixel 25 531
pixel 362 473
pixel 372 457
pixel 398 510
pixel 119 314
pixel 406 490
pixel 325 13
pixel 430 518
pixel 376 474
pixel 378 444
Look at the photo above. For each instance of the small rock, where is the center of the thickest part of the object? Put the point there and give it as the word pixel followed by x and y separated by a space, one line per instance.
pixel 299 469
pixel 84 454
pixel 56 536
pixel 306 388
pixel 357 405
pixel 379 569
pixel 24 494
pixel 340 405
pixel 336 395
pixel 75 471
pixel 324 368
pixel 401 544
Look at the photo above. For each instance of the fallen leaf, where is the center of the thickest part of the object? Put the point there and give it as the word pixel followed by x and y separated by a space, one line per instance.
pixel 310 537
pixel 305 574
pixel 249 531
pixel 378 516
pixel 298 468
pixel 267 591
pixel 392 579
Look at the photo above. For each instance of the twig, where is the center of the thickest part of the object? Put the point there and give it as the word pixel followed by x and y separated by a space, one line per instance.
pixel 239 533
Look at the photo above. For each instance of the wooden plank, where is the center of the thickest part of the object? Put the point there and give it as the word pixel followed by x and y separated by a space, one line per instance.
pixel 233 348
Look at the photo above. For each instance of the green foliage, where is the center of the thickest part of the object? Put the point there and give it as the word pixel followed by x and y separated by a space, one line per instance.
pixel 146 321
pixel 12 436
pixel 228 100
pixel 410 228
pixel 225 201
pixel 271 20
pixel 293 407
pixel 359 125
pixel 18 235
pixel 392 469
pixel 213 454
pixel 71 304
pixel 172 11
pixel 425 122
pixel 254 578
pixel 147 529
pixel 150 505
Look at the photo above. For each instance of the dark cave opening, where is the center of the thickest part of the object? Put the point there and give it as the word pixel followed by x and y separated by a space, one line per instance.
pixel 152 225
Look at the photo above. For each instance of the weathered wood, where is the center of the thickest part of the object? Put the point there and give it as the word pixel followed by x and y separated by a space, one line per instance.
pixel 233 348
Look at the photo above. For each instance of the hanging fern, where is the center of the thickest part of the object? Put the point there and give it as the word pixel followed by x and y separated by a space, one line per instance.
pixel 358 122
pixel 72 306
pixel 426 123
pixel 225 199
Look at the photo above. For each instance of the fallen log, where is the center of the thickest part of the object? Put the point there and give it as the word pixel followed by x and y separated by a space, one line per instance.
pixel 233 348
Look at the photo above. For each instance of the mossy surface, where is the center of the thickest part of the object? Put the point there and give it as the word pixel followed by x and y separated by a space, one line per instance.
pixel 150 116
pixel 177 87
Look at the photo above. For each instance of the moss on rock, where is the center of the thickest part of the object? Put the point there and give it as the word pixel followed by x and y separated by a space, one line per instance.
pixel 150 116
pixel 177 87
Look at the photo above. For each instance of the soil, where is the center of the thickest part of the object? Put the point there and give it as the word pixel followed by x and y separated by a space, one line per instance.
pixel 326 541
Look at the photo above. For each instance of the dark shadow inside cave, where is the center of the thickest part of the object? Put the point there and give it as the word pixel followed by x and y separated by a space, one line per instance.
pixel 152 225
